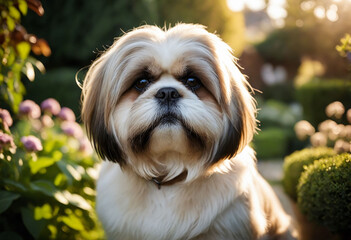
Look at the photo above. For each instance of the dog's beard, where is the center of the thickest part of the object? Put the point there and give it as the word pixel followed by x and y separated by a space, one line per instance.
pixel 167 125
pixel 166 141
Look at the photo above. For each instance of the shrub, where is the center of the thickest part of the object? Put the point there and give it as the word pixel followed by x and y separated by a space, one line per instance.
pixel 47 176
pixel 271 143
pixel 324 193
pixel 295 163
pixel 317 94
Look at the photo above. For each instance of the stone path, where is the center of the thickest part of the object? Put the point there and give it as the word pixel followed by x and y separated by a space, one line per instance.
pixel 272 171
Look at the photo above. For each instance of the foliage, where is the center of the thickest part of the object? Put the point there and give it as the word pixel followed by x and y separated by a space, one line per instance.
pixel 271 143
pixel 317 94
pixel 324 193
pixel 15 46
pixel 295 163
pixel 332 25
pixel 80 29
pixel 281 46
pixel 48 193
pixel 276 137
pixel 57 83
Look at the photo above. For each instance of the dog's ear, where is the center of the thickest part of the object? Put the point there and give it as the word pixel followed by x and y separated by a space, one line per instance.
pixel 237 103
pixel 95 112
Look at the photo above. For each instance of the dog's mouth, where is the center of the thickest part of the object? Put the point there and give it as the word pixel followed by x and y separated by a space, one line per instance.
pixel 168 119
pixel 139 142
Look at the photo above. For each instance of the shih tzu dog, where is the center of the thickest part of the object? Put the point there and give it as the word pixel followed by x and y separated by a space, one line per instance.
pixel 172 116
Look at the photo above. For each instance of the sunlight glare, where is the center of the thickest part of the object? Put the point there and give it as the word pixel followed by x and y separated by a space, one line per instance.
pixel 307 5
pixel 319 12
pixel 236 5
pixel 256 5
pixel 332 13
pixel 276 12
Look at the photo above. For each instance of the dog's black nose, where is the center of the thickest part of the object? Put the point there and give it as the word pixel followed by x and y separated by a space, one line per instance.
pixel 167 95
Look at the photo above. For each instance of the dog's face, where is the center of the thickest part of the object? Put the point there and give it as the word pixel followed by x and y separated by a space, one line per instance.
pixel 163 102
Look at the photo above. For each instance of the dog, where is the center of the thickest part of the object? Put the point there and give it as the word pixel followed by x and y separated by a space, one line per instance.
pixel 173 116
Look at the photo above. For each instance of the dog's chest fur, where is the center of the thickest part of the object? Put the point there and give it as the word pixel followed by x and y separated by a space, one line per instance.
pixel 209 208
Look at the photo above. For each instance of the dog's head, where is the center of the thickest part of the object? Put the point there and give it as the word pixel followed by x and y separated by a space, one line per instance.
pixel 161 102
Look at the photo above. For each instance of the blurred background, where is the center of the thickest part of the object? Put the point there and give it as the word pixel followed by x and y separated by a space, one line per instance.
pixel 287 49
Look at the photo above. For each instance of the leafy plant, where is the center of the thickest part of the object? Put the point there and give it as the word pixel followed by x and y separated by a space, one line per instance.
pixel 295 164
pixel 47 175
pixel 15 46
pixel 324 193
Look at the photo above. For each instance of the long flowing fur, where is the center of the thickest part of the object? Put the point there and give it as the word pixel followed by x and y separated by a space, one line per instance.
pixel 204 133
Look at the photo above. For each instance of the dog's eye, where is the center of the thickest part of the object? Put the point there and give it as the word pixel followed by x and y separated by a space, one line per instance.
pixel 141 84
pixel 193 83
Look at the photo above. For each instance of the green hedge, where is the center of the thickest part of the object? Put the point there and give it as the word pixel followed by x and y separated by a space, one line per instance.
pixel 295 163
pixel 324 193
pixel 271 143
pixel 317 94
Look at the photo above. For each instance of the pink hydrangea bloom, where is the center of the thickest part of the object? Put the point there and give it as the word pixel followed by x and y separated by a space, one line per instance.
pixel 6 117
pixel 51 106
pixel 6 141
pixel 66 114
pixel 31 143
pixel 72 129
pixel 30 109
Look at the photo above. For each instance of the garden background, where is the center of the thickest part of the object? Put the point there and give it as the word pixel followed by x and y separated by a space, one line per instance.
pixel 295 53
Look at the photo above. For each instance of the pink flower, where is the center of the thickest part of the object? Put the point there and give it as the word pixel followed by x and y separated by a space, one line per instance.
pixel 6 117
pixel 47 121
pixel 30 109
pixel 66 114
pixel 303 129
pixel 72 129
pixel 342 146
pixel 31 143
pixel 6 141
pixel 348 115
pixel 335 109
pixel 51 106
pixel 318 139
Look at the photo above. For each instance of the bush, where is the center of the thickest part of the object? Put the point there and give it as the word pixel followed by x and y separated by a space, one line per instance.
pixel 271 143
pixel 324 193
pixel 47 175
pixel 317 94
pixel 295 163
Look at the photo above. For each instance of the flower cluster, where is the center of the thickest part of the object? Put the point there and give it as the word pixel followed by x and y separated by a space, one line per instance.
pixel 41 117
pixel 329 132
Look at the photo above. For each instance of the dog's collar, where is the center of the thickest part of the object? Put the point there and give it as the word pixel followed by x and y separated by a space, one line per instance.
pixel 159 180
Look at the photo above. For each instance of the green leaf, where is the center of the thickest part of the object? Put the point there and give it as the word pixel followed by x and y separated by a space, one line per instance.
pixel 43 212
pixel 10 236
pixel 41 163
pixel 23 49
pixel 10 23
pixel 44 187
pixel 35 227
pixel 6 199
pixel 13 12
pixel 23 7
pixel 73 222
pixel 15 185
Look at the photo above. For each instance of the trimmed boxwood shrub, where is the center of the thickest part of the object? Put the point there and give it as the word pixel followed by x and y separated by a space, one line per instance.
pixel 295 163
pixel 324 193
pixel 317 94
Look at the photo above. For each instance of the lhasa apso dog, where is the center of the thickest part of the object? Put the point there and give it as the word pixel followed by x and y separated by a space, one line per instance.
pixel 171 113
